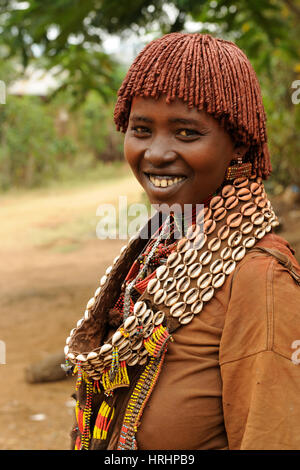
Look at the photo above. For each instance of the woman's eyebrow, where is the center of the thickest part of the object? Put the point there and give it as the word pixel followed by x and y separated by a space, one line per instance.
pixel 184 121
pixel 136 117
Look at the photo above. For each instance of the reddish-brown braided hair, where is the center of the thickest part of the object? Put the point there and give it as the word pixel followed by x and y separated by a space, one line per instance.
pixel 206 72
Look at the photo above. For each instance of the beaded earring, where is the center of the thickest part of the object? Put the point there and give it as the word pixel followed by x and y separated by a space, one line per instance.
pixel 239 170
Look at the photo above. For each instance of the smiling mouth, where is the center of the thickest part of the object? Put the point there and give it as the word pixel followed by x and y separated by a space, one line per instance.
pixel 164 181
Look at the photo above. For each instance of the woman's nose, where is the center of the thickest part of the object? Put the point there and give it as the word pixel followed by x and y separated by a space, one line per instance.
pixel 159 155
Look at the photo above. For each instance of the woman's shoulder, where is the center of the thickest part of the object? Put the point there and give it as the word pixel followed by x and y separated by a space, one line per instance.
pixel 263 313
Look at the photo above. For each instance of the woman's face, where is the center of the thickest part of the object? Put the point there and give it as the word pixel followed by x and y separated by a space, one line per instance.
pixel 179 155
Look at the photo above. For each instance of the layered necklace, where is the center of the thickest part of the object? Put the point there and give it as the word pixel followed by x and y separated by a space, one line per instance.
pixel 231 224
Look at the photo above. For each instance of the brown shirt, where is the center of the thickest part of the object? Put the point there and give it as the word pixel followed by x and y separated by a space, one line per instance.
pixel 228 381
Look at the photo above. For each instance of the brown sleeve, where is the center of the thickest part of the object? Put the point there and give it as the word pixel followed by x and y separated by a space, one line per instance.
pixel 261 382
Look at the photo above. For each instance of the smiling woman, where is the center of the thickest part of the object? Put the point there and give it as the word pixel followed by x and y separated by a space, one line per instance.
pixel 187 342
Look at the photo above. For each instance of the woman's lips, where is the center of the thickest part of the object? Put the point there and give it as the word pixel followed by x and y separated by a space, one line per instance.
pixel 164 185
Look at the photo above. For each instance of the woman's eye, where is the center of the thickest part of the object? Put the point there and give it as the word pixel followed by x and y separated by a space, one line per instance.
pixel 140 130
pixel 188 133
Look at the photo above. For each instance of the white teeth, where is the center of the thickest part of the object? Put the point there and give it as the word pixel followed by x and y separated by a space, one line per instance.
pixel 164 182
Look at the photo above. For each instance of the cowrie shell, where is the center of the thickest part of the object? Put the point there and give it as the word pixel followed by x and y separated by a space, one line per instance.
pixel 223 232
pixel 203 215
pixel 194 270
pixel 139 308
pixel 229 266
pixel 209 226
pixel 255 189
pixel 123 248
pixel 190 256
pixel 97 291
pixel 158 318
pixel 79 323
pixel 244 194
pixel 204 280
pixel 173 259
pixel 86 315
pixel 207 294
pixel 107 359
pixel 205 257
pixel 108 270
pixel 257 218
pixel 137 344
pixel 249 242
pixel 178 309
pixel 248 209
pixel 103 280
pixel 199 241
pixel 228 191
pixel 117 336
pixel 146 318
pixel 246 228
pixel 268 228
pixel 81 358
pixel 159 296
pixel 186 318
pixel 218 280
pixel 148 331
pixel 226 253
pixel 90 303
pixel 231 202
pixel 260 201
pixel 259 233
pixel 183 284
pixel 172 298
pixel 216 202
pixel 196 307
pixel 125 355
pixel 219 214
pixel 216 266
pixel 66 350
pixel 267 213
pixel 191 295
pixel 241 182
pixel 153 286
pixel 183 245
pixel 105 349
pixel 235 238
pixel 92 355
pixel 133 360
pixel 71 356
pixel 234 219
pixel 123 345
pixel 162 272
pixel 130 323
pixel 116 259
pixel 214 244
pixel 179 271
pixel 193 231
pixel 169 284
pixel 238 253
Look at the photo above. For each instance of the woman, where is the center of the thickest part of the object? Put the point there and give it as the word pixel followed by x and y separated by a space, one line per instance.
pixel 187 343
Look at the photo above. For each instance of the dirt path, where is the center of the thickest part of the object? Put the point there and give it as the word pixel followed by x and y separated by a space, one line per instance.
pixel 51 262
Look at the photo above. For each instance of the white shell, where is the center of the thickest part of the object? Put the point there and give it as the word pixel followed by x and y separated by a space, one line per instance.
pixel 218 280
pixel 191 295
pixel 194 270
pixel 116 338
pixel 179 271
pixel 123 249
pixel 216 266
pixel 79 323
pixel 108 270
pixel 106 348
pixel 66 350
pixel 162 272
pixel 205 257
pixel 153 286
pixel 229 266
pixel 159 296
pixel 97 291
pixel 178 309
pixel 169 284
pixel 71 356
pixel 238 253
pixel 226 253
pixel 214 244
pixel 249 242
pixel 186 318
pixel 90 303
pixel 204 280
pixel 130 323
pixel 103 280
pixel 92 355
pixel 81 358
pixel 207 294
pixel 199 241
pixel 190 256
pixel 196 307
pixel 86 315
pixel 139 308
pixel 235 238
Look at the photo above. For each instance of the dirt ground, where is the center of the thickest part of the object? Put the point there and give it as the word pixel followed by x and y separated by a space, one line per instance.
pixel 51 263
